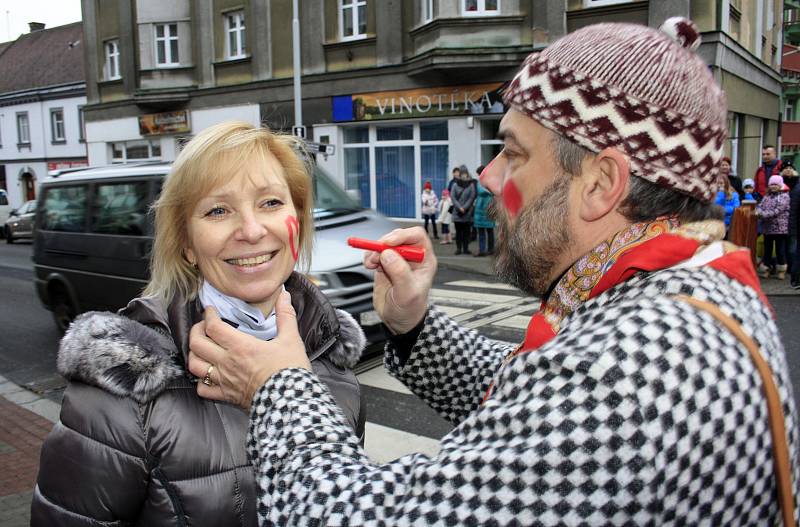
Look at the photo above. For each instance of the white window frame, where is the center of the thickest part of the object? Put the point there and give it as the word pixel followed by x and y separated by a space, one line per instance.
pixel 788 111
pixel 111 48
pixel 481 11
pixel 353 8
pixel 57 132
pixel 23 129
pixel 166 40
pixel 235 26
pixel 599 3
pixel 124 147
pixel 427 10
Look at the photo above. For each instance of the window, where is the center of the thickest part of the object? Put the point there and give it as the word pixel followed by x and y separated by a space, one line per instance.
pixel 356 162
pixel 434 155
pixel 120 208
pixel 352 19
pixel 597 3
pixel 490 144
pixel 57 125
pixel 234 29
pixel 64 209
pixel 138 150
pixel 788 112
pixel 23 129
pixel 480 7
pixel 167 45
pixel 112 60
pixel 81 125
pixel 427 10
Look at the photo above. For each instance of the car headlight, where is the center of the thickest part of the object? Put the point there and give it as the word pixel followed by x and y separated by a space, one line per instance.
pixel 319 280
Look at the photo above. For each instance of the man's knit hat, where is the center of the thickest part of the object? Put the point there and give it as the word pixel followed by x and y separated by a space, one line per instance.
pixel 635 88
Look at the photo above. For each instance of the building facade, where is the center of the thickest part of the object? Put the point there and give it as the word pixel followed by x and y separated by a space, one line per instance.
pixel 405 89
pixel 790 71
pixel 42 94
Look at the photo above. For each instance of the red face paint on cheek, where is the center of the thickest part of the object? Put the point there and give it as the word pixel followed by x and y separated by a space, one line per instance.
pixel 293 226
pixel 512 199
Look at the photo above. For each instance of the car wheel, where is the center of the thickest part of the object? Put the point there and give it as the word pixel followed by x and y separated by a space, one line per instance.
pixel 9 236
pixel 63 312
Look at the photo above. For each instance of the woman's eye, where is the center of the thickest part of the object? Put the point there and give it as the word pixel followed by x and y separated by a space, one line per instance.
pixel 271 203
pixel 215 212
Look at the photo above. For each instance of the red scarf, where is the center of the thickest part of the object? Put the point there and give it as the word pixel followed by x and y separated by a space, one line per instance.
pixel 642 247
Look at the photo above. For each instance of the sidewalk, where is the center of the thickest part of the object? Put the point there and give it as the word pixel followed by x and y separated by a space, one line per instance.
pixel 25 420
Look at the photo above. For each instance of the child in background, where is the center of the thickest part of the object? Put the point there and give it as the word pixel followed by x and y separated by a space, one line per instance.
pixel 774 213
pixel 445 217
pixel 749 190
pixel 728 199
pixel 430 205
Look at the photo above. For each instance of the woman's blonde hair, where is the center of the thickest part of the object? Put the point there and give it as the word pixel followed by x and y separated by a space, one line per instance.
pixel 211 159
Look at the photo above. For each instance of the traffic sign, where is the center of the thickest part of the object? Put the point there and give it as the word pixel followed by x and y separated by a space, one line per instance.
pixel 299 131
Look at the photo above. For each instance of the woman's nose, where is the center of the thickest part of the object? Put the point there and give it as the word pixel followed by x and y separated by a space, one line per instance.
pixel 250 229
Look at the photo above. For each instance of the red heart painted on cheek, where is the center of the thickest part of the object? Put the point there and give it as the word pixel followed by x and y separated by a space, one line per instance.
pixel 293 226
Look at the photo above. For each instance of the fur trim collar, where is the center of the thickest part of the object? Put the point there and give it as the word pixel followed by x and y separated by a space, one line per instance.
pixel 130 359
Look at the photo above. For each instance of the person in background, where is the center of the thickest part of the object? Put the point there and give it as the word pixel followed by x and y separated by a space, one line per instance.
pixel 430 206
pixel 774 214
pixel 794 233
pixel 463 196
pixel 455 175
pixel 725 171
pixel 446 217
pixel 483 221
pixel 770 166
pixel 749 191
pixel 728 199
pixel 789 174
pixel 136 444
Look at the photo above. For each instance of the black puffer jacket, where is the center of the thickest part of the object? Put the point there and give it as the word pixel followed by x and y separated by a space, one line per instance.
pixel 135 445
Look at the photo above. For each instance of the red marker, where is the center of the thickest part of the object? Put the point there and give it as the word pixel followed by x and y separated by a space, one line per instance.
pixel 408 252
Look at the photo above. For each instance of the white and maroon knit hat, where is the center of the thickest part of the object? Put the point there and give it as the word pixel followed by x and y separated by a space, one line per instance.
pixel 638 89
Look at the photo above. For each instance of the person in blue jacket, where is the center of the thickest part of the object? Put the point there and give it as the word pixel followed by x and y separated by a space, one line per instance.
pixel 728 199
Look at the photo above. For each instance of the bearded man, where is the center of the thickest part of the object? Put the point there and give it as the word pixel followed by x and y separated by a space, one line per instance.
pixel 627 403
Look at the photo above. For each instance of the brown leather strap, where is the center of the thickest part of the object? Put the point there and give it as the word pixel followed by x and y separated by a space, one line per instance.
pixel 777 423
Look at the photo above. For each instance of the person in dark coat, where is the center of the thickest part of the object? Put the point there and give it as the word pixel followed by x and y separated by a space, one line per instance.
pixel 135 443
pixel 463 196
pixel 794 231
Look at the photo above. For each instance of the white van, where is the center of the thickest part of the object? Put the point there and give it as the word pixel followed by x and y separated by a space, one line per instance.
pixel 5 208
pixel 93 238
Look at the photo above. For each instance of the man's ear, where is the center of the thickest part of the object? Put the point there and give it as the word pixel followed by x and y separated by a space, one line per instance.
pixel 605 180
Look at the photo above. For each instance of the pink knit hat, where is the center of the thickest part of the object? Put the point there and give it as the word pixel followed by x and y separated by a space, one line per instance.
pixel 776 180
pixel 635 88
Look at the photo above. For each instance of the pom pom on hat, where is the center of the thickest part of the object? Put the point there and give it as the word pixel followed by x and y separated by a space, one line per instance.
pixel 683 31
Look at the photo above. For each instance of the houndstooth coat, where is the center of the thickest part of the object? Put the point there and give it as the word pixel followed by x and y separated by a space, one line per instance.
pixel 641 411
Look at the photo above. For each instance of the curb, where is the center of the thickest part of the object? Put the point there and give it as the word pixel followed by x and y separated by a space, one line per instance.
pixel 29 400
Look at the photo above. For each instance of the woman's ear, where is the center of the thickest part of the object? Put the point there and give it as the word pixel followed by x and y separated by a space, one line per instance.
pixel 189 256
pixel 605 180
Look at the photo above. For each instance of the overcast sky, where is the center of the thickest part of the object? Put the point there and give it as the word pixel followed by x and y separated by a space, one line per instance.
pixel 15 15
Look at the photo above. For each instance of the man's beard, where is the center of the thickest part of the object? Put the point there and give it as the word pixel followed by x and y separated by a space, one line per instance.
pixel 527 253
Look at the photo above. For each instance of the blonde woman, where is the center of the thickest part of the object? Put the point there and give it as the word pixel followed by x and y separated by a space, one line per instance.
pixel 135 444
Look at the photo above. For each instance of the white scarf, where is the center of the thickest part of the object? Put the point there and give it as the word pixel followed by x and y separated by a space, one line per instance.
pixel 243 316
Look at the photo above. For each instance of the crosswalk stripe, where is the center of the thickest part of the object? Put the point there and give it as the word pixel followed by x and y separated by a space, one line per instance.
pixel 485 285
pixel 500 317
pixel 453 311
pixel 455 294
pixel 379 378
pixel 515 322
pixel 384 444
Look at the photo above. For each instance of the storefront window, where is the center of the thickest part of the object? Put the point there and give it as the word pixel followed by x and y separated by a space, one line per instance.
pixel 435 131
pixel 394 181
pixel 356 134
pixel 356 172
pixel 490 144
pixel 395 133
